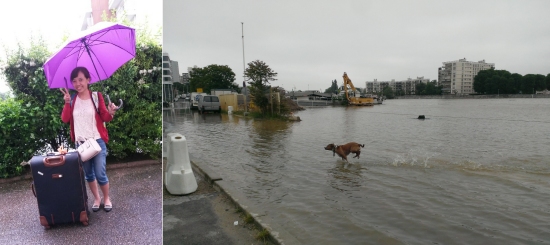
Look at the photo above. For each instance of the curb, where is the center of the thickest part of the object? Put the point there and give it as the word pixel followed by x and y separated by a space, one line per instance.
pixel 118 165
pixel 133 164
pixel 217 182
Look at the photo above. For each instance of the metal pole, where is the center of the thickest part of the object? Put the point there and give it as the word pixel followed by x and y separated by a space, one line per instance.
pixel 244 70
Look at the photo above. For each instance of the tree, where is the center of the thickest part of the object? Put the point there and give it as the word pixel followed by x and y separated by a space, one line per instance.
pixel 540 82
pixel 533 82
pixel 25 75
pixel 517 81
pixel 4 96
pixel 258 75
pixel 388 92
pixel 212 77
pixel 420 89
pixel 494 81
pixel 333 89
pixel 548 81
pixel 179 87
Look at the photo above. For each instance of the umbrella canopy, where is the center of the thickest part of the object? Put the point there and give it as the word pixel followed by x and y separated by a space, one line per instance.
pixel 102 49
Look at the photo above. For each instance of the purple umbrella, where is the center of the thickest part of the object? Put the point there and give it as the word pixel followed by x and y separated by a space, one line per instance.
pixel 102 48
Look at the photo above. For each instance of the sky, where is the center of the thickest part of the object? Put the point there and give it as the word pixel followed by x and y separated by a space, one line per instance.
pixel 53 19
pixel 310 43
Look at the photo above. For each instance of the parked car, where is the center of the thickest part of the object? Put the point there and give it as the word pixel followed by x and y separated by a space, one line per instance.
pixel 209 103
pixel 195 99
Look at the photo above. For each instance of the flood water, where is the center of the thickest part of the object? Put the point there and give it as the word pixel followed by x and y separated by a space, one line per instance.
pixel 473 172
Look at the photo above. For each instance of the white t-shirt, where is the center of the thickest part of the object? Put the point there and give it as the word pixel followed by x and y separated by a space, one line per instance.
pixel 84 119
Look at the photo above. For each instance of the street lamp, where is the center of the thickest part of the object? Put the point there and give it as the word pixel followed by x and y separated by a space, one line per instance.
pixel 244 71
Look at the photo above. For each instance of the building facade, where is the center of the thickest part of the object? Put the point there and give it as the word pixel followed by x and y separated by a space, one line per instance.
pixel 457 77
pixel 167 81
pixel 406 86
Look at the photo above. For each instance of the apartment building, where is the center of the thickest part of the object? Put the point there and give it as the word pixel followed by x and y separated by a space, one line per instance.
pixel 457 77
pixel 167 79
pixel 407 86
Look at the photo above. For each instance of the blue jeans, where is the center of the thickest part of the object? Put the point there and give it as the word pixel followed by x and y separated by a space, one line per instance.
pixel 95 167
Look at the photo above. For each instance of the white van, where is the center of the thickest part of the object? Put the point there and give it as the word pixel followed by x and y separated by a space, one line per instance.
pixel 209 103
pixel 195 100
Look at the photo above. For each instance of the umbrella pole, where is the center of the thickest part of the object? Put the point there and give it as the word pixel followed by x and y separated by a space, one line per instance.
pixel 97 73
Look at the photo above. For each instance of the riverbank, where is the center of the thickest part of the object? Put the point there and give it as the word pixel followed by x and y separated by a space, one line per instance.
pixel 209 215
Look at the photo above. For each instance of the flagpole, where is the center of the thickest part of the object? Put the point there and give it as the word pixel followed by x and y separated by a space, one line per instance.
pixel 244 70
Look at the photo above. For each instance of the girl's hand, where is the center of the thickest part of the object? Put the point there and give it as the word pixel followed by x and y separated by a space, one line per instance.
pixel 112 109
pixel 66 95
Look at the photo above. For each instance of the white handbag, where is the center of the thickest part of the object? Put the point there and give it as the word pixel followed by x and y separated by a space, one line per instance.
pixel 88 148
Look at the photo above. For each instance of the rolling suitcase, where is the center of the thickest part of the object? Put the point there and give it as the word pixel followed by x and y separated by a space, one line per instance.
pixel 60 189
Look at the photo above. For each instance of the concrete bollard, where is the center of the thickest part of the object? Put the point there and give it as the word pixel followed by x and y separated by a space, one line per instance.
pixel 179 178
pixel 166 144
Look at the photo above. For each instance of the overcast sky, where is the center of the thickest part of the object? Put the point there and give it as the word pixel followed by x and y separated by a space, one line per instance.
pixel 19 20
pixel 310 43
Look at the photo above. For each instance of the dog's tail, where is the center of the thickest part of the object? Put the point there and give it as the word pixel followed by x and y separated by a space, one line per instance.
pixel 362 146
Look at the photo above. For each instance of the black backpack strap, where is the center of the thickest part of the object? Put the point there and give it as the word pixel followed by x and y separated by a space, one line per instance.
pixel 72 99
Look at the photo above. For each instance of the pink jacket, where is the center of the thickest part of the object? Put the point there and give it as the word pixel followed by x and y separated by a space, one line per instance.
pixel 103 116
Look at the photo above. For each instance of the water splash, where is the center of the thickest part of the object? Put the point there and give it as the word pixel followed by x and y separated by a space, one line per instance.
pixel 415 157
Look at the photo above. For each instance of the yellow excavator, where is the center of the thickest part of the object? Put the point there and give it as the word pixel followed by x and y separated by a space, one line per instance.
pixel 355 99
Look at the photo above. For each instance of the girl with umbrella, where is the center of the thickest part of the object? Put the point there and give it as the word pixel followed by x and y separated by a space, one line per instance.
pixel 87 121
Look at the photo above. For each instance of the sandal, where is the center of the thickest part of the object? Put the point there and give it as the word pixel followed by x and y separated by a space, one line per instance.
pixel 108 208
pixel 95 208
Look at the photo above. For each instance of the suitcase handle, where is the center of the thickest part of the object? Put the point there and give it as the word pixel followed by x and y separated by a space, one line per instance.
pixel 32 188
pixel 54 161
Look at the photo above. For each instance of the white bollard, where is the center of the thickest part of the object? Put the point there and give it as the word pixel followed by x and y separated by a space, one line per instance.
pixel 167 142
pixel 179 178
pixel 229 109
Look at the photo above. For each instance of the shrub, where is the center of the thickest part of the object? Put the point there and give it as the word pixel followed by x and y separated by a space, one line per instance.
pixel 17 136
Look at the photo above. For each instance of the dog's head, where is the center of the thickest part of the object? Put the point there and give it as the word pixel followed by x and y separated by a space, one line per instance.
pixel 331 147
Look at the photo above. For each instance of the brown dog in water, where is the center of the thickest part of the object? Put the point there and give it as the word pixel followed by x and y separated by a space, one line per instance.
pixel 344 150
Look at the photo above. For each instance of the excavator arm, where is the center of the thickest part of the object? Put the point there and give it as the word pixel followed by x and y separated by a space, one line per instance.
pixel 347 82
pixel 355 100
pixel 347 85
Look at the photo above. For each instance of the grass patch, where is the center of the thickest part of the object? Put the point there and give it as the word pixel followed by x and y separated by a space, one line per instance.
pixel 258 115
pixel 263 235
pixel 248 219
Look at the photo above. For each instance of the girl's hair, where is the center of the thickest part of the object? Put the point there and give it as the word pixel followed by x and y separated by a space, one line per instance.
pixel 84 71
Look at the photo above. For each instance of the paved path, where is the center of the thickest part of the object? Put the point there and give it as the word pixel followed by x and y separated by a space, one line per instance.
pixel 136 217
pixel 205 217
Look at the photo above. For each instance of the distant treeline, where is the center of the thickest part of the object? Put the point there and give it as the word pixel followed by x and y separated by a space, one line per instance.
pixel 429 88
pixel 501 81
